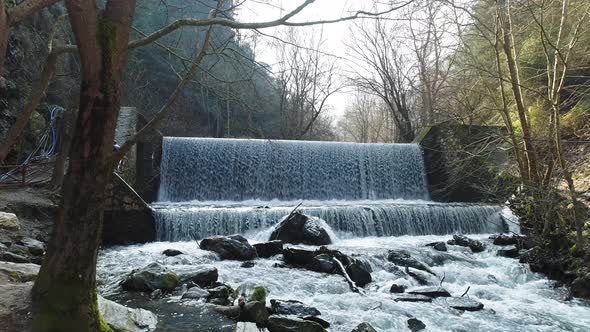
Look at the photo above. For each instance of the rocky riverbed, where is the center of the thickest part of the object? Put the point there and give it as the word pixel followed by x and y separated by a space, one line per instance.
pixel 414 282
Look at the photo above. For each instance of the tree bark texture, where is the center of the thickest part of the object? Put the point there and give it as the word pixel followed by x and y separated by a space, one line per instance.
pixel 64 295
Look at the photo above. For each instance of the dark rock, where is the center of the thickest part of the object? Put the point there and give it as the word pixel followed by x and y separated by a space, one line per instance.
pixel 525 242
pixel 289 324
pixel 318 320
pixel 238 237
pixel 254 312
pixel 172 252
pixel 269 249
pixel 37 260
pixel 411 298
pixel 415 324
pixel 292 307
pixel 464 303
pixel 395 288
pixel 431 292
pixel 14 258
pixel 203 276
pixel 196 293
pixel 464 241
pixel 524 256
pixel 581 286
pixel 247 264
pixel 364 327
pixel 299 228
pixel 505 240
pixel 403 258
pixel 511 252
pixel 298 256
pixel 440 246
pixel 219 292
pixel 35 247
pixel 150 278
pixel 279 265
pixel 218 301
pixel 234 247
pixel 419 276
pixel 19 250
pixel 323 263
pixel 358 273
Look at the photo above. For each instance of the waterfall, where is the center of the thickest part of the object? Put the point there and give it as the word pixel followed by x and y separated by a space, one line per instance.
pixel 223 186
pixel 209 169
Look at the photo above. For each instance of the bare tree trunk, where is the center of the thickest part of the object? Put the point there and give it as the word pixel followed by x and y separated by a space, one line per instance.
pixel 508 45
pixel 64 295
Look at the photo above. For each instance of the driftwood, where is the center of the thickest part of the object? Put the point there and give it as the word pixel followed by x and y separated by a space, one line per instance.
pixel 351 284
pixel 467 290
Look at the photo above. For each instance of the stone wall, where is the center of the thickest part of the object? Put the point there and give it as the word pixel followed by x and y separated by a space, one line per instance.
pixel 466 163
pixel 127 218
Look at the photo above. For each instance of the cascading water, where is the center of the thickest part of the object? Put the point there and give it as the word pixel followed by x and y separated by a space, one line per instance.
pixel 224 186
pixel 369 194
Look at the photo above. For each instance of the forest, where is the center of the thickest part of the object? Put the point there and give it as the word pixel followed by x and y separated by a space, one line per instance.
pixel 242 165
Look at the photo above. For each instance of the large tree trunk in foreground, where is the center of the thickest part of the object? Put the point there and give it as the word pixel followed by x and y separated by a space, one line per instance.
pixel 64 295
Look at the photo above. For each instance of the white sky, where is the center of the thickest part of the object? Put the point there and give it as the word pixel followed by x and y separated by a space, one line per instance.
pixel 334 34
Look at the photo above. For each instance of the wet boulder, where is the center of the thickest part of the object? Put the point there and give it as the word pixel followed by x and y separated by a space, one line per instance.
pixel 277 323
pixel 195 293
pixel 254 312
pixel 439 246
pixel 247 264
pixel 581 286
pixel 234 247
pixel 414 324
pixel 299 228
pixel 364 327
pixel 269 249
pixel 395 288
pixel 150 278
pixel 403 258
pixel 323 263
pixel 292 307
pixel 463 303
pixel 318 320
pixel 14 258
pixel 464 241
pixel 172 252
pixel 431 292
pixel 421 277
pixel 220 294
pixel 295 256
pixel 510 252
pixel 122 318
pixel 505 240
pixel 35 247
pixel 358 272
pixel 204 275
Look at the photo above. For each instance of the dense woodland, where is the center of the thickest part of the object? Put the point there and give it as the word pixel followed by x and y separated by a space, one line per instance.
pixel 191 69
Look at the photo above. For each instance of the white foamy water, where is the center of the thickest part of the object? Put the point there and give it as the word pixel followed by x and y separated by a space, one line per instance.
pixel 515 299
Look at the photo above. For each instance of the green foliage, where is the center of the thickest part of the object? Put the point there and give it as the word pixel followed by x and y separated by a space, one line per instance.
pixel 577 119
pixel 259 294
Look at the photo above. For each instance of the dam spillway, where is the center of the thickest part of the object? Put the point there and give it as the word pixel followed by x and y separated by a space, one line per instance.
pixel 214 186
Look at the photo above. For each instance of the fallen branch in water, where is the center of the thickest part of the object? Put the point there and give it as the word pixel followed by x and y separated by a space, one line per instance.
pixel 467 290
pixel 351 283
